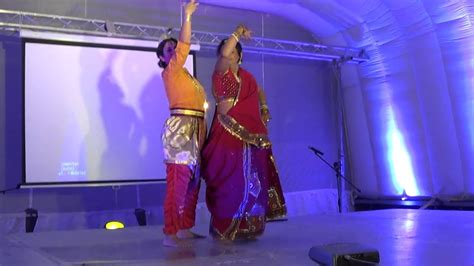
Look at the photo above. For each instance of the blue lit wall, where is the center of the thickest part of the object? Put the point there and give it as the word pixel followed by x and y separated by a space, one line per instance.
pixel 417 96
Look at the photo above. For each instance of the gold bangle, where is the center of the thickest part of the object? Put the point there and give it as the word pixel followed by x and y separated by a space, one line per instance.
pixel 188 18
pixel 235 36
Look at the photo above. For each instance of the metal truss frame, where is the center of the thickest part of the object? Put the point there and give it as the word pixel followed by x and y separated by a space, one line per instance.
pixel 13 21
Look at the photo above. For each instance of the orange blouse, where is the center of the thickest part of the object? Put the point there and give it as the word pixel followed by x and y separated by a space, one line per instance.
pixel 182 89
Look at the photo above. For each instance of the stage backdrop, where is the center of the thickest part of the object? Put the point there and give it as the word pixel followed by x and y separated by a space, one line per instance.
pixel 93 111
pixel 288 82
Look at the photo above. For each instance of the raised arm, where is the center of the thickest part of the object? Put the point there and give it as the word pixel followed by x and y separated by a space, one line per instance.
pixel 185 33
pixel 184 42
pixel 224 60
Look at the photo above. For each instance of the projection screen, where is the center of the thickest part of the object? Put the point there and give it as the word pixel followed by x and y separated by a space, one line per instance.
pixel 93 111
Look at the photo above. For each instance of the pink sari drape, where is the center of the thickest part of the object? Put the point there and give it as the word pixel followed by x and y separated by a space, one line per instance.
pixel 236 171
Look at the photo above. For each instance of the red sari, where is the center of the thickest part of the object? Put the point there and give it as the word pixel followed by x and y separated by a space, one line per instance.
pixel 235 160
pixel 276 207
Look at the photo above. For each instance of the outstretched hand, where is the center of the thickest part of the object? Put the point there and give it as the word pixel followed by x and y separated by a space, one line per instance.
pixel 244 32
pixel 190 7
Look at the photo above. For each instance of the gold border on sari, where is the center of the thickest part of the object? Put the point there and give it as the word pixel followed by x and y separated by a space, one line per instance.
pixel 240 132
pixel 255 227
pixel 277 207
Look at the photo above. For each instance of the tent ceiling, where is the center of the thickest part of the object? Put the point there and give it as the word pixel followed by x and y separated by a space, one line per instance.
pixel 323 18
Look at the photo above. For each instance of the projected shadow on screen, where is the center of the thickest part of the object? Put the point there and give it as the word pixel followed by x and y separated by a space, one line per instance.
pixel 154 108
pixel 121 159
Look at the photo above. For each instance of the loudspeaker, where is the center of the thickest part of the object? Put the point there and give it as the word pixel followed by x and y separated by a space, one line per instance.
pixel 339 254
pixel 140 214
pixel 30 220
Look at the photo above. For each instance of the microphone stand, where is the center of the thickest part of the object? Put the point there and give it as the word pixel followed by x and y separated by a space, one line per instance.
pixel 337 169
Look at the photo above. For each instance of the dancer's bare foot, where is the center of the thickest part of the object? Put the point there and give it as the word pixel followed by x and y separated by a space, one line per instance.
pixel 174 241
pixel 188 234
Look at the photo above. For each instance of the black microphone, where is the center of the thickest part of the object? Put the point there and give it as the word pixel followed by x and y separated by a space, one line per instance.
pixel 316 151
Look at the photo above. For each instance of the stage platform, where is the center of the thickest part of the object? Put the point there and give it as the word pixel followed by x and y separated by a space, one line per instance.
pixel 402 237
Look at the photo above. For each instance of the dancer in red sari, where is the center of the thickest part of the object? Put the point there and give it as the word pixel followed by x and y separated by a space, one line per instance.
pixel 236 156
pixel 276 207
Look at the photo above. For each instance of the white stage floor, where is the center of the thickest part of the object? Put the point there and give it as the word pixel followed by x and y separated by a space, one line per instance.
pixel 402 237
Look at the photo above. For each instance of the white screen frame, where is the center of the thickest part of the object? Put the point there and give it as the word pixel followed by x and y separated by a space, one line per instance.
pixel 86 42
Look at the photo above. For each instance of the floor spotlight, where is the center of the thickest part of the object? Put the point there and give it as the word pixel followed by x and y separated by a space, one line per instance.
pixel 113 225
pixel 140 214
pixel 31 218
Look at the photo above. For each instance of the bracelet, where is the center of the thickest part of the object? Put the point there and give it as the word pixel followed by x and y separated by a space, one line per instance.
pixel 188 18
pixel 235 36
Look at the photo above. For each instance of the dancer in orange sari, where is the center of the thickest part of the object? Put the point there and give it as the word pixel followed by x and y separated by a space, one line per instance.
pixel 183 135
pixel 236 154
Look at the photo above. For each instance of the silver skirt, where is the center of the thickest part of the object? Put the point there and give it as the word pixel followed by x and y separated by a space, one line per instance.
pixel 183 137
